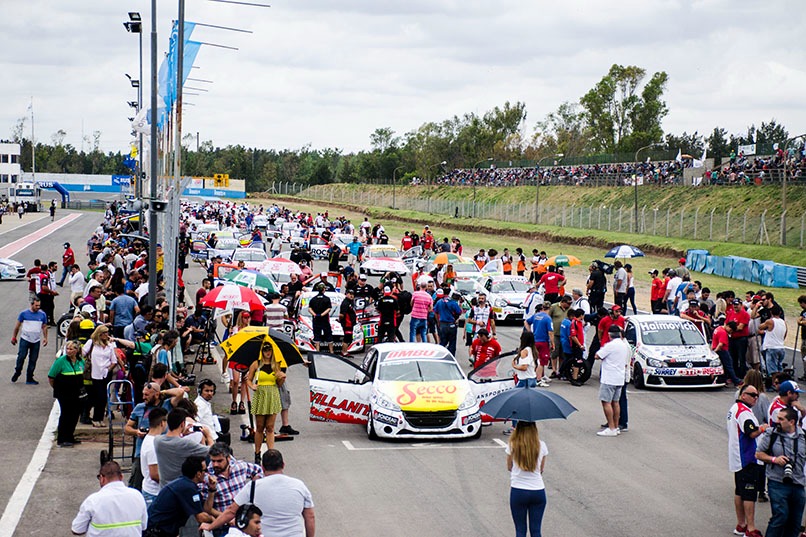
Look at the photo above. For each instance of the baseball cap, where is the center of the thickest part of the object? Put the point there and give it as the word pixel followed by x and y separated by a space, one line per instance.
pixel 89 308
pixel 440 292
pixel 737 301
pixel 615 307
pixel 323 274
pixel 387 291
pixel 681 260
pixel 362 277
pixel 789 386
pixel 653 271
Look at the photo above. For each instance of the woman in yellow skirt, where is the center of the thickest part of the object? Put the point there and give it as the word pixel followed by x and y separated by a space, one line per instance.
pixel 264 377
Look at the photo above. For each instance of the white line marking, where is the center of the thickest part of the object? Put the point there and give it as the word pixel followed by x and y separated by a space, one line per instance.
pixel 23 225
pixel 500 442
pixel 19 499
pixel 350 447
pixel 22 243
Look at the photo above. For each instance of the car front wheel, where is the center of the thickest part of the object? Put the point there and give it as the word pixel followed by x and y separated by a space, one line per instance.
pixel 638 377
pixel 371 434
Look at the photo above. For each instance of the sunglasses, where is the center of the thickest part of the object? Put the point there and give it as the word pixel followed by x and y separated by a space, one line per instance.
pixel 754 395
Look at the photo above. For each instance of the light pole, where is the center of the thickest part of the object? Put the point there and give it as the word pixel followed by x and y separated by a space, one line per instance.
pixel 537 181
pixel 135 26
pixel 783 188
pixel 635 185
pixel 475 169
pixel 152 214
pixel 428 174
pixel 394 186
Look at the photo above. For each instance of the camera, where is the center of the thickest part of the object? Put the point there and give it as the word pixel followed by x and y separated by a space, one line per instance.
pixel 787 473
pixel 144 429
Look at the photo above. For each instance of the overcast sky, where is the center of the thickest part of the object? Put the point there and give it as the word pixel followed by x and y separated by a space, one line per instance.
pixel 329 72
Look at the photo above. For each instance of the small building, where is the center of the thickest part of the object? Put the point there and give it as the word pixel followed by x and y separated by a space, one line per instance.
pixel 10 169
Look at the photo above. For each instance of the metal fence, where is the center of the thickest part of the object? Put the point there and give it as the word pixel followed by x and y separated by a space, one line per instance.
pixel 749 226
pixel 86 204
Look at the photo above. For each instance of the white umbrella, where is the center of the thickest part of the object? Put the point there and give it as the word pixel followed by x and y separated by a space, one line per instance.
pixel 385 264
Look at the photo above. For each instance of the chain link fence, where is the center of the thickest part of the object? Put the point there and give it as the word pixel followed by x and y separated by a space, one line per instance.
pixel 750 226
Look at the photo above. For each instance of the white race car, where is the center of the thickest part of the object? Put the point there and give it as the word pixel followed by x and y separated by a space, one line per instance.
pixel 671 352
pixel 406 390
pixel 253 258
pixel 11 270
pixel 507 295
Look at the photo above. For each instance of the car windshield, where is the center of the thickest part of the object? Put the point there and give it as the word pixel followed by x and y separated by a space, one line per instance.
pixel 465 286
pixel 382 252
pixel 510 286
pixel 243 255
pixel 419 370
pixel 227 244
pixel 334 308
pixel 317 241
pixel 671 334
pixel 465 267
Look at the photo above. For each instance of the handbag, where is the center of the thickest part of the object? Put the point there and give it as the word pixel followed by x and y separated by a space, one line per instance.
pixel 88 364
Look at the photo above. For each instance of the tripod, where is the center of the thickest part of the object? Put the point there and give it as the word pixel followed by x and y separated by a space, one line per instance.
pixel 204 355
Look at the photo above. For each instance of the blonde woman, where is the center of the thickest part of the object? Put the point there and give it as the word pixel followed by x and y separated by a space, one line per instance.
pixel 526 461
pixel 100 351
pixel 265 377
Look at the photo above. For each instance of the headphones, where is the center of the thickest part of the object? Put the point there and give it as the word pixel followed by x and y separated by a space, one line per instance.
pixel 242 516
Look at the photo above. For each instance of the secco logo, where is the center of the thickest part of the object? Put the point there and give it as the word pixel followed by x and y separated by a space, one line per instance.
pixel 412 391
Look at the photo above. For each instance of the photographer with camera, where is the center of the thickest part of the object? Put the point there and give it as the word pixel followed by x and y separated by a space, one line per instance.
pixel 783 450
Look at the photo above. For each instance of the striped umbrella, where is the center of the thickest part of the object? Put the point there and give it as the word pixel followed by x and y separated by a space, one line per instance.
pixel 251 279
pixel 443 258
pixel 624 250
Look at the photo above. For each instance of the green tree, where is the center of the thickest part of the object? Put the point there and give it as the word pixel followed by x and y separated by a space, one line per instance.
pixel 619 118
pixel 718 144
pixel 691 144
pixel 771 133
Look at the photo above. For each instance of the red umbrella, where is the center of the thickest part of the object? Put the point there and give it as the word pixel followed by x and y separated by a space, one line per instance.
pixel 233 297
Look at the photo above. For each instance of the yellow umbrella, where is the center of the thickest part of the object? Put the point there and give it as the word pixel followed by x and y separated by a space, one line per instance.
pixel 563 261
pixel 244 347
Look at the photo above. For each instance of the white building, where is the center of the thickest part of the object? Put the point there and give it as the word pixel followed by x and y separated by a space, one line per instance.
pixel 10 170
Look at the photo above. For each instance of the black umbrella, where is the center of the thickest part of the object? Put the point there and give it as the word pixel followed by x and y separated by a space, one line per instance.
pixel 528 404
pixel 244 347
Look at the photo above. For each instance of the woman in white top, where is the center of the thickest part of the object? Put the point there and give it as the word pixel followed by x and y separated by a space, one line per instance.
pixel 526 461
pixel 100 350
pixel 524 361
pixel 774 331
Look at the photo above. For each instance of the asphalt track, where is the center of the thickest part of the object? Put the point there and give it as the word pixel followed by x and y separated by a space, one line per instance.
pixel 667 476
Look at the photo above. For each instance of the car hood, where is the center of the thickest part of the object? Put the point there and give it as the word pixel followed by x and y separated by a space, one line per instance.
pixel 10 262
pixel 335 326
pixel 677 353
pixel 425 396
pixel 514 298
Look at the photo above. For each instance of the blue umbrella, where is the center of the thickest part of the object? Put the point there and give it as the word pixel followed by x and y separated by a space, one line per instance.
pixel 528 404
pixel 624 250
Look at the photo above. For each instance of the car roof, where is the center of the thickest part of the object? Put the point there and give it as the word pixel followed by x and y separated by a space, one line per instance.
pixel 507 278
pixel 425 351
pixel 645 318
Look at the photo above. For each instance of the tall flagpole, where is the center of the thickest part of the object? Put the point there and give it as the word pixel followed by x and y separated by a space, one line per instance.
pixel 152 215
pixel 33 143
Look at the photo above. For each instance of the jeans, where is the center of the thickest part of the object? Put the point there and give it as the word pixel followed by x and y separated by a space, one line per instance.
pixel 727 365
pixel 775 360
pixel 149 498
pixel 32 351
pixel 786 504
pixel 417 326
pixel 623 418
pixel 65 274
pixel 447 336
pixel 631 299
pixel 523 503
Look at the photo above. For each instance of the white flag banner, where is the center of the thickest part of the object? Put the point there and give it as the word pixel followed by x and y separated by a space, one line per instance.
pixel 141 124
pixel 679 157
pixel 749 149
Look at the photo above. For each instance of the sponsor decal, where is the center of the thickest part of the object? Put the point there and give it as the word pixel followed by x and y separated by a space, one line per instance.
pixel 651 326
pixel 427 396
pixel 661 372
pixel 411 353
pixel 384 418
pixel 325 407
pixel 472 418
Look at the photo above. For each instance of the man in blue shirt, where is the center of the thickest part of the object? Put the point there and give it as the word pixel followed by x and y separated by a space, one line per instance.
pixel 181 499
pixel 542 327
pixel 447 311
pixel 32 327
pixel 565 343
pixel 122 311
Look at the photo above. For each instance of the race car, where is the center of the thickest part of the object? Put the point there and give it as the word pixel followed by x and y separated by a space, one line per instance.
pixel 304 330
pixel 671 353
pixel 318 247
pixel 507 295
pixel 406 390
pixel 253 258
pixel 11 270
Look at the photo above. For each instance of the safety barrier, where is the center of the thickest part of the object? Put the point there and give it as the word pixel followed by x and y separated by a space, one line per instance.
pixel 766 273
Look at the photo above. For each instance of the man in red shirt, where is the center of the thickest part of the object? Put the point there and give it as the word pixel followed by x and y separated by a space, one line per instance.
pixel 406 242
pixel 614 318
pixel 738 339
pixel 719 344
pixel 577 336
pixel 656 292
pixel 484 348
pixel 552 282
pixel 68 260
pixel 33 279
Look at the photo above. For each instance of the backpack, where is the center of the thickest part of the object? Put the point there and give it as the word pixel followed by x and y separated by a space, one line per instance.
pixel 404 301
pixel 139 363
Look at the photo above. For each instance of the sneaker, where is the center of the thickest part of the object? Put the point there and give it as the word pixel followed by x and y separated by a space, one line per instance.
pixel 762 497
pixel 65 444
pixel 754 533
pixel 545 379
pixel 287 429
pixel 543 384
pixel 740 530
pixel 508 432
pixel 15 376
pixel 75 441
pixel 608 432
pixel 32 382
pixel 98 424
pixel 623 428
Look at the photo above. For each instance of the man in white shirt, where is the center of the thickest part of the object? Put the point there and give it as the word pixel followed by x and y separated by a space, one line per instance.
pixel 114 506
pixel 204 414
pixel 580 302
pixel 148 455
pixel 76 281
pixel 671 289
pixel 620 285
pixel 615 357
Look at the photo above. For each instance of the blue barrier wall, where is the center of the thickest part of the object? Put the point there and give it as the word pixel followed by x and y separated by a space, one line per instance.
pixel 204 192
pixel 766 273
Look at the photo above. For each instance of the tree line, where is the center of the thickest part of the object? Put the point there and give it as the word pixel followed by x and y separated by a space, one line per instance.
pixel 623 112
